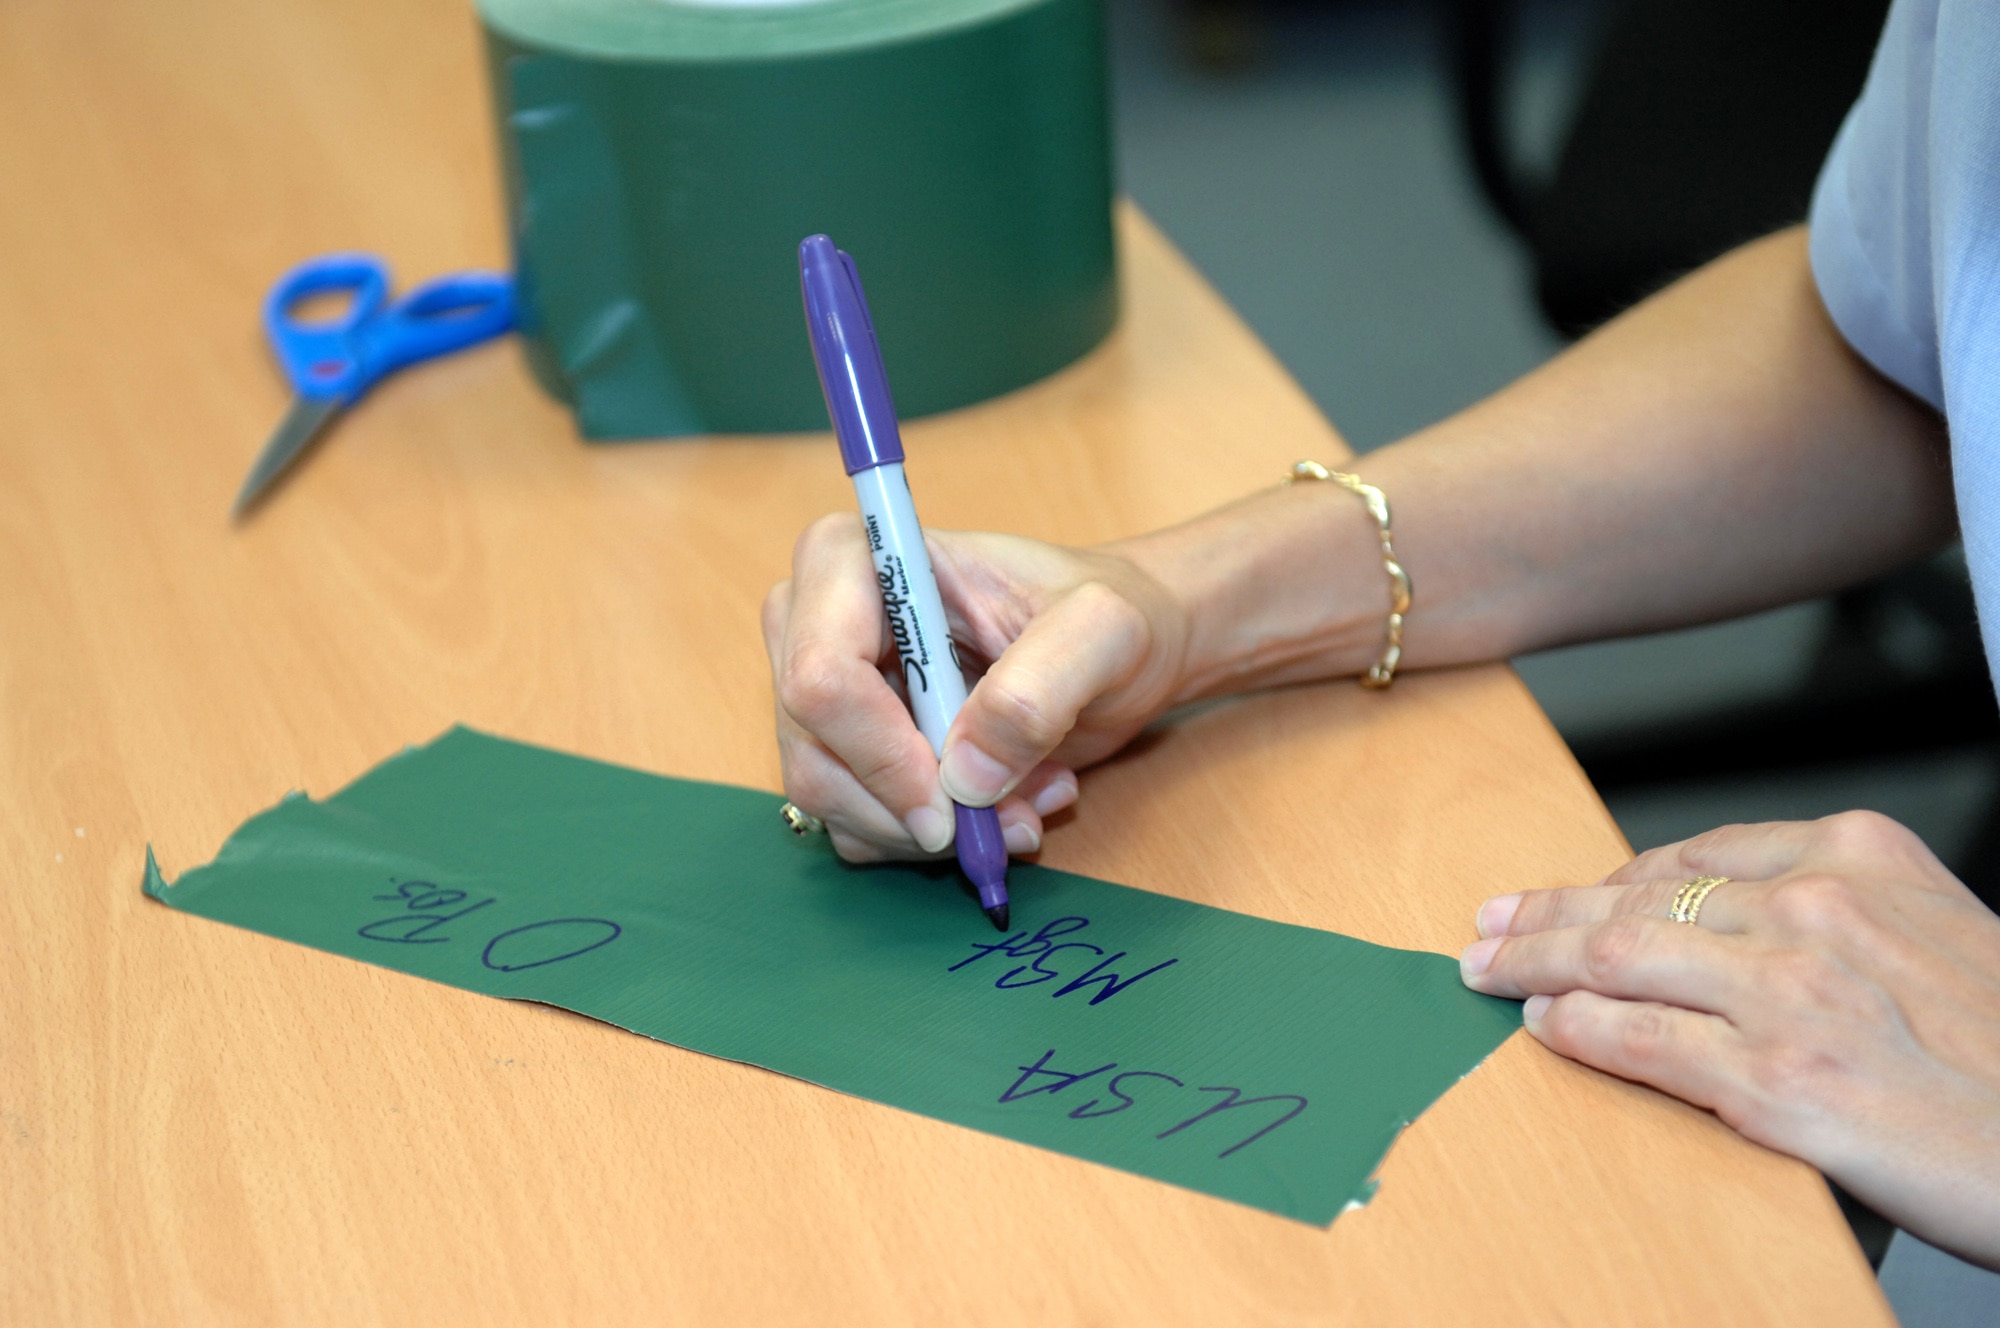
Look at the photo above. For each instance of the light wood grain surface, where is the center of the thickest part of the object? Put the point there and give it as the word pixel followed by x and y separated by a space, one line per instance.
pixel 201 1125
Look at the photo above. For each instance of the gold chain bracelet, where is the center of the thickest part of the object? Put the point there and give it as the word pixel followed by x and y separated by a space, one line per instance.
pixel 1383 671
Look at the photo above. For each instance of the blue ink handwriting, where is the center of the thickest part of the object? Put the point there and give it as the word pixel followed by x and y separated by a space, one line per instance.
pixel 531 946
pixel 419 900
pixel 1057 1081
pixel 1044 946
pixel 581 935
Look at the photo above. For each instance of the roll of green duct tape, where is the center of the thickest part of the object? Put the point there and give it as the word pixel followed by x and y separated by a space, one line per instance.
pixel 663 159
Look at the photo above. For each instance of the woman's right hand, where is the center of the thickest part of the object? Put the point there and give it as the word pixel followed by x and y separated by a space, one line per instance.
pixel 1079 650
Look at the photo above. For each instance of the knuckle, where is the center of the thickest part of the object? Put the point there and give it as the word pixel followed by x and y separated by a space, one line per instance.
pixel 812 688
pixel 1645 1037
pixel 1791 1073
pixel 1571 1027
pixel 1109 608
pixel 887 768
pixel 1700 852
pixel 1560 1025
pixel 832 529
pixel 1865 832
pixel 1816 903
pixel 1650 865
pixel 1610 947
pixel 1024 718
pixel 809 789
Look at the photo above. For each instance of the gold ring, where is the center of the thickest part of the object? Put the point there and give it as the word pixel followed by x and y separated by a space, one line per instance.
pixel 1687 902
pixel 802 823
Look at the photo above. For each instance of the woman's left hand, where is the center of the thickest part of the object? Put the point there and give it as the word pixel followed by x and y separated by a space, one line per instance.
pixel 1838 999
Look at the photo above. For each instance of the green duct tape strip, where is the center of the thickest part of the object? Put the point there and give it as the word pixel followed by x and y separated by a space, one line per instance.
pixel 663 160
pixel 1265 1063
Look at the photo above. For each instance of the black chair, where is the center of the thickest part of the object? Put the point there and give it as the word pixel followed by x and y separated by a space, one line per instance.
pixel 1701 125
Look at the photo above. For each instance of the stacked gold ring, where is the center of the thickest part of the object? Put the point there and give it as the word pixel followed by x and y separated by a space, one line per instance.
pixel 1687 902
pixel 801 823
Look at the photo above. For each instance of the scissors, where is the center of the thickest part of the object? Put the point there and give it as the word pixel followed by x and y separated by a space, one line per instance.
pixel 333 362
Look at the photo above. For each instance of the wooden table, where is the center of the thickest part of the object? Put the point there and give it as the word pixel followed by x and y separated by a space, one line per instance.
pixel 202 1125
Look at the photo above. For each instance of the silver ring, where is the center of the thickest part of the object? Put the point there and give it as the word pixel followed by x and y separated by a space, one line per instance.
pixel 801 823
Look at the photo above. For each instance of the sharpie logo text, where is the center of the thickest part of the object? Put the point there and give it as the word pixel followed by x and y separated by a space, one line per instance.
pixel 904 628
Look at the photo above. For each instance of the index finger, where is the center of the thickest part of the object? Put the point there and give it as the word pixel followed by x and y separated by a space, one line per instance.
pixel 829 681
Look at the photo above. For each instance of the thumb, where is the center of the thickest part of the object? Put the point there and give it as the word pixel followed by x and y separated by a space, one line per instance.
pixel 1083 645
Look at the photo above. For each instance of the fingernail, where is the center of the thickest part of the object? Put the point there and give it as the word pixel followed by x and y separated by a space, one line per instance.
pixel 971 776
pixel 931 830
pixel 1532 1011
pixel 1021 837
pixel 1478 957
pixel 1059 793
pixel 1496 913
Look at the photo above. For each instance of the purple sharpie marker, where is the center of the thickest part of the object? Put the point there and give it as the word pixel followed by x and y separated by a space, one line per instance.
pixel 864 419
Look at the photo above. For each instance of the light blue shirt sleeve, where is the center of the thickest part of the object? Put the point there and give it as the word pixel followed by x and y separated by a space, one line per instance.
pixel 1906 245
pixel 1871 216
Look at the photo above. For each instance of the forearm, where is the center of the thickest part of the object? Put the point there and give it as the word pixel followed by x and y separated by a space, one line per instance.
pixel 1717 450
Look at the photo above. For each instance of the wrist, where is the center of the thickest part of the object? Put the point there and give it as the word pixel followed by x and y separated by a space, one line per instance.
pixel 1284 586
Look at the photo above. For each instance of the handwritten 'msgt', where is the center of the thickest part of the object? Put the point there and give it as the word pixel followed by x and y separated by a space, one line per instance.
pixel 1043 946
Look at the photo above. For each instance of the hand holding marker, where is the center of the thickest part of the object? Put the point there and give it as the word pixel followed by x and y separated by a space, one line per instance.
pixel 864 420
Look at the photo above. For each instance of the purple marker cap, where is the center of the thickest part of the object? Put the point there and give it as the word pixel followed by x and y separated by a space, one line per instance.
pixel 849 360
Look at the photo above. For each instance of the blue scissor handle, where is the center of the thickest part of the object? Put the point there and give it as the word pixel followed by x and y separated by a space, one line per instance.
pixel 345 356
pixel 437 318
pixel 322 359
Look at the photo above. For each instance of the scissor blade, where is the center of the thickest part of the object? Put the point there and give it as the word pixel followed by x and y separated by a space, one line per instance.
pixel 300 426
